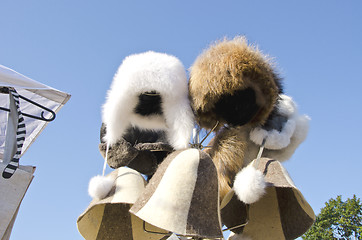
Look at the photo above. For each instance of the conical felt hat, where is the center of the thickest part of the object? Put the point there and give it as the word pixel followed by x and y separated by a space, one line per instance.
pixel 282 213
pixel 182 197
pixel 109 218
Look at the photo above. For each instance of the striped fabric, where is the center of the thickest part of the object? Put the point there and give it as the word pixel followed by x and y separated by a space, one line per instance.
pixel 20 138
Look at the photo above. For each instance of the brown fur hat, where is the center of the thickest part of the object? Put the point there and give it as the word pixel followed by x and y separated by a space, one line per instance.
pixel 232 76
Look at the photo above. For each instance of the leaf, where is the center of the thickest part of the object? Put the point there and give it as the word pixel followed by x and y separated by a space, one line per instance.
pixel 337 220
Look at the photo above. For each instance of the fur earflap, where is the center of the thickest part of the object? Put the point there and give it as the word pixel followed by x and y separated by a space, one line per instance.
pixel 229 147
pixel 231 72
pixel 286 106
pixel 293 125
pixel 249 184
pixel 161 79
pixel 100 186
pixel 299 135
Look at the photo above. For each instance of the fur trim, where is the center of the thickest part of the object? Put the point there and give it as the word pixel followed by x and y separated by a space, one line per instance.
pixel 249 184
pixel 276 139
pixel 147 72
pixel 302 128
pixel 299 135
pixel 286 106
pixel 100 186
pixel 229 66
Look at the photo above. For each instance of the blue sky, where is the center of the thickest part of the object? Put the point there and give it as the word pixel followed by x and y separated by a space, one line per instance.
pixel 76 47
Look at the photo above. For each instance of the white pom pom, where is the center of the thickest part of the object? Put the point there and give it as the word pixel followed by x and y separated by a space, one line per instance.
pixel 100 186
pixel 249 184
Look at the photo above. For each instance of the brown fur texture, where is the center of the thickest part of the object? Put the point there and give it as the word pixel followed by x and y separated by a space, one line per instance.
pixel 226 67
pixel 231 151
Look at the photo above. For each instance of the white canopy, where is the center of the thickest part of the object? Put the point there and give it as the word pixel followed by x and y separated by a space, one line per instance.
pixel 46 96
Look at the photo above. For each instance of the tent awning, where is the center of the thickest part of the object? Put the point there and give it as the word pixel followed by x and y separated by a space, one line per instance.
pixel 44 95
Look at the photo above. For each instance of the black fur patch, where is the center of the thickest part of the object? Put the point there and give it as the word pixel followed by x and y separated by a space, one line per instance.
pixel 149 103
pixel 239 108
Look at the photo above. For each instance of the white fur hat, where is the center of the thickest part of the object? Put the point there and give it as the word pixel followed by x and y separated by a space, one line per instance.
pixel 144 73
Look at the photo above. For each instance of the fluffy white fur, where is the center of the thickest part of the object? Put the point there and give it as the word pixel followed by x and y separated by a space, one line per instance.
pixel 295 127
pixel 274 138
pixel 249 184
pixel 286 105
pixel 145 72
pixel 100 186
pixel 299 135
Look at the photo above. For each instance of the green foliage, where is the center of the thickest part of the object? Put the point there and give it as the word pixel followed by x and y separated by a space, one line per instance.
pixel 338 220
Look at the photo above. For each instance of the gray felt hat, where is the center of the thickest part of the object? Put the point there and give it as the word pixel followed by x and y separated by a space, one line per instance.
pixel 282 213
pixel 109 218
pixel 182 197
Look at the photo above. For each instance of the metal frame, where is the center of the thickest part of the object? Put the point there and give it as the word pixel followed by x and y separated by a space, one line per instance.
pixel 5 90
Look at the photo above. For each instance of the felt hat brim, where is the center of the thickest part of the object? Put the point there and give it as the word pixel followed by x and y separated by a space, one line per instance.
pixel 282 213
